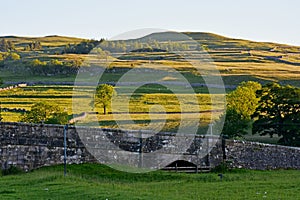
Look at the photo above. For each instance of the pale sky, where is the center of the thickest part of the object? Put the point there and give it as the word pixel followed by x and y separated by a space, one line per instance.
pixel 259 20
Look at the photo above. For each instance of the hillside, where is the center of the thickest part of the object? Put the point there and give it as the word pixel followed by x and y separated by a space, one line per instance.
pixel 238 60
pixel 51 40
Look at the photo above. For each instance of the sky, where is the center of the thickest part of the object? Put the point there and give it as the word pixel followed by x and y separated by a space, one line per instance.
pixel 258 20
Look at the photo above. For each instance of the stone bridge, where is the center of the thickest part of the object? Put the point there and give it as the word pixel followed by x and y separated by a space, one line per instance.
pixel 30 146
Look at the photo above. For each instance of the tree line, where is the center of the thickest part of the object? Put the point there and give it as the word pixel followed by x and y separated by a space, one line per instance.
pixel 124 46
pixel 54 67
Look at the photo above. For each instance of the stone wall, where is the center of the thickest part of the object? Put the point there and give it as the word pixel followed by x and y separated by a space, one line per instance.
pixel 30 146
pixel 253 155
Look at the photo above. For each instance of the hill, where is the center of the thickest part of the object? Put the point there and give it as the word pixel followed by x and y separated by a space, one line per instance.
pixel 237 59
pixel 52 40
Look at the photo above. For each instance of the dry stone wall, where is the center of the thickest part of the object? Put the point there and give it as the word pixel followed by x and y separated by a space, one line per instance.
pixel 30 146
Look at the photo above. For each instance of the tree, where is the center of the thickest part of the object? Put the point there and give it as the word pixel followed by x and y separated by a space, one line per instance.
pixel 14 56
pixel 6 46
pixel 55 62
pixel 279 113
pixel 36 45
pixel 241 104
pixel 103 96
pixel 84 47
pixel 47 113
pixel 37 62
pixel 234 124
pixel 243 99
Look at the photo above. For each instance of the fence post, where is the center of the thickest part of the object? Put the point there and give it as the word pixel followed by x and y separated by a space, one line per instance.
pixel 65 149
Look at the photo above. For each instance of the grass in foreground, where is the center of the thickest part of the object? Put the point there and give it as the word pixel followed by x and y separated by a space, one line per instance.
pixel 93 181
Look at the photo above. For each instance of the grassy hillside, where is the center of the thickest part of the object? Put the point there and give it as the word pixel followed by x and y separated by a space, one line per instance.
pixel 91 181
pixel 238 60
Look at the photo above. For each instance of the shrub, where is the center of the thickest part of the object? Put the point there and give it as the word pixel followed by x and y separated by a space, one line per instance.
pixel 12 170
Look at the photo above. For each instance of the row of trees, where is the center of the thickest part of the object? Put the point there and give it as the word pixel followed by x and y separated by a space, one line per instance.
pixel 128 46
pixel 9 46
pixel 82 48
pixel 272 109
pixel 122 46
pixel 54 66
pixel 36 45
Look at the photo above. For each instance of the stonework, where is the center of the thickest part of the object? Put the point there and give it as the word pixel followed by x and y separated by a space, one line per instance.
pixel 253 155
pixel 30 146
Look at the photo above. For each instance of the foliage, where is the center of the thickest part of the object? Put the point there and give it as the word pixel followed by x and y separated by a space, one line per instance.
pixel 1 82
pixel 46 113
pixel 12 170
pixel 1 113
pixel 6 45
pixel 279 113
pixel 243 99
pixel 37 62
pixel 103 96
pixel 14 56
pixel 54 67
pixel 82 48
pixel 56 62
pixel 235 125
pixel 36 45
pixel 241 104
pixel 223 167
pixel 149 45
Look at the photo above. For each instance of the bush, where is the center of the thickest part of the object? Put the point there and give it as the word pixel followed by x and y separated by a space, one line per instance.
pixel 12 170
pixel 222 168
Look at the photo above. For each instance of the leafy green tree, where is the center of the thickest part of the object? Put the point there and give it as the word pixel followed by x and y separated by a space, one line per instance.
pixel 235 125
pixel 241 104
pixel 243 99
pixel 279 113
pixel 45 112
pixel 103 96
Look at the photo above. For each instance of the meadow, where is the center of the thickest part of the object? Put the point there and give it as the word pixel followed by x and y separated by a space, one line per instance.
pixel 94 181
pixel 140 104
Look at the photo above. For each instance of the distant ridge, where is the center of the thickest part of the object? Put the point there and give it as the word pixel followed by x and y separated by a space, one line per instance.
pixel 211 40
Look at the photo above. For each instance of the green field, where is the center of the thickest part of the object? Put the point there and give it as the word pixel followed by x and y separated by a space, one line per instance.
pixel 93 181
pixel 140 103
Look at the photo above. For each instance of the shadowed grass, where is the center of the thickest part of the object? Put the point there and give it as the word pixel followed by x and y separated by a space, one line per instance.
pixel 93 181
